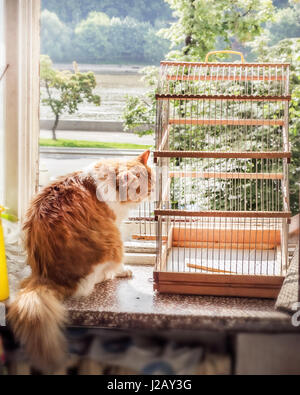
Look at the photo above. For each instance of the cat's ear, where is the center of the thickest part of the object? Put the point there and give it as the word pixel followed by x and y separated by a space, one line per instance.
pixel 143 158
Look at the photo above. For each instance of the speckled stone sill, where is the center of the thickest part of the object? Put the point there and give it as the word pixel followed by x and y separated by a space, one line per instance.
pixel 132 304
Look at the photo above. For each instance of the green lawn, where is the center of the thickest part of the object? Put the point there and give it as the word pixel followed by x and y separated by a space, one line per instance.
pixel 89 144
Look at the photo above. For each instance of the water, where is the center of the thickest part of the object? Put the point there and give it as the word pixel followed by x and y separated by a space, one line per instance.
pixel 112 86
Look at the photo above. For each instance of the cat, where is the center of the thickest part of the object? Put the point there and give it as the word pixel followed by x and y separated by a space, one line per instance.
pixel 73 241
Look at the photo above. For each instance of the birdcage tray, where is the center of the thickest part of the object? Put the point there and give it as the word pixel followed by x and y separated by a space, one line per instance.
pixel 215 262
pixel 218 284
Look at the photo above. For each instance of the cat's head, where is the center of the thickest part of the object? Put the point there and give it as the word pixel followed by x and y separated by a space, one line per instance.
pixel 130 181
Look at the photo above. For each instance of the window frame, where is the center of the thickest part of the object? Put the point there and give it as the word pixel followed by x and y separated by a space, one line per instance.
pixel 22 96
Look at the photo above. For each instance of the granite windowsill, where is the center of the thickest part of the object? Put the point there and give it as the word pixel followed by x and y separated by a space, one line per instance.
pixel 132 304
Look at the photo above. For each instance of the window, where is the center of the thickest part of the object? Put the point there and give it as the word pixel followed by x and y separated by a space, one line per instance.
pixel 2 76
pixel 19 102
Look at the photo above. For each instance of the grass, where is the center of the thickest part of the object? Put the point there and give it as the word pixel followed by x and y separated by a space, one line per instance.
pixel 89 144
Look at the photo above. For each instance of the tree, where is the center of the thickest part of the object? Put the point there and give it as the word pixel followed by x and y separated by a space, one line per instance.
pixel 73 11
pixel 101 39
pixel 200 25
pixel 139 112
pixel 286 23
pixel 288 50
pixel 66 90
pixel 55 37
pixel 92 38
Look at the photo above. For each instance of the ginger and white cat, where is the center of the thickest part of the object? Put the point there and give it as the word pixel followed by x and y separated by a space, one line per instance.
pixel 73 241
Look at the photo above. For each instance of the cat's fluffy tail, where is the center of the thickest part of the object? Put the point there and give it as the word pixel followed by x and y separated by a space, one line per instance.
pixel 37 317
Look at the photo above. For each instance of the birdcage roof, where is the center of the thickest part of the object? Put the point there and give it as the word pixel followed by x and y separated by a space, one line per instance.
pixel 241 80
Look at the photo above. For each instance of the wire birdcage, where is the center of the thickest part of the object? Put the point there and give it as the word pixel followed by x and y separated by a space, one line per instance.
pixel 222 154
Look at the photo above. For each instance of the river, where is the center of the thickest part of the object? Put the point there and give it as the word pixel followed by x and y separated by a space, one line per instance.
pixel 113 84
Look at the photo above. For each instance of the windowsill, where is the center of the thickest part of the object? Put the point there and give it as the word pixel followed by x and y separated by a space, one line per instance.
pixel 132 304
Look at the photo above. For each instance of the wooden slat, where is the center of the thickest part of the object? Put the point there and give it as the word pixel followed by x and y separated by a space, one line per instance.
pixel 224 246
pixel 223 214
pixel 236 122
pixel 214 64
pixel 146 237
pixel 223 97
pixel 223 78
pixel 220 239
pixel 208 269
pixel 240 236
pixel 217 290
pixel 226 175
pixel 138 219
pixel 218 284
pixel 215 154
pixel 237 279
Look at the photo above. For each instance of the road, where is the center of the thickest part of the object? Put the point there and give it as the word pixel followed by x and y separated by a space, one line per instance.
pixel 52 166
pixel 115 137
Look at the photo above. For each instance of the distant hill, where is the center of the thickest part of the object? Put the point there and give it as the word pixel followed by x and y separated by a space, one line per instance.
pixel 73 11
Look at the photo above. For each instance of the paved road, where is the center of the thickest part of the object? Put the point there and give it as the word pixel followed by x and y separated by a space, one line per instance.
pixel 115 137
pixel 53 166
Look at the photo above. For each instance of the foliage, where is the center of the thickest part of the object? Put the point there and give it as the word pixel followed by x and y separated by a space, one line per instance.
pixel 100 39
pixel 92 38
pixel 200 24
pixel 288 50
pixel 139 113
pixel 73 11
pixel 66 90
pixel 55 37
pixel 286 23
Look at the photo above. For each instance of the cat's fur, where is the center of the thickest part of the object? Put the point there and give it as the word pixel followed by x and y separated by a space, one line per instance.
pixel 73 242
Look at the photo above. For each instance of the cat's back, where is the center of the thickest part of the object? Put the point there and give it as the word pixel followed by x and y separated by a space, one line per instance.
pixel 62 198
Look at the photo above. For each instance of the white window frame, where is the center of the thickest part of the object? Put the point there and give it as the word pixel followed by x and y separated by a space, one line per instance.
pixel 22 96
pixel 21 111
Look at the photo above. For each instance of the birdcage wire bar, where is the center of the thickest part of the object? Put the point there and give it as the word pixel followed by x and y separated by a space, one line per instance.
pixel 222 154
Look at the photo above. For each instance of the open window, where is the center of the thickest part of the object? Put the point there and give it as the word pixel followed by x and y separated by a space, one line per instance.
pixel 3 70
pixel 19 90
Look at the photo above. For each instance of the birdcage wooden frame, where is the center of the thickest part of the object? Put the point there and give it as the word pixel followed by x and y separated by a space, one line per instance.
pixel 222 126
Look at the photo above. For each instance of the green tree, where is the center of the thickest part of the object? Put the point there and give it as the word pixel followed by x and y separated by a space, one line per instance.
pixel 101 39
pixel 92 38
pixel 286 23
pixel 65 90
pixel 288 50
pixel 139 112
pixel 55 37
pixel 200 25
pixel 128 39
pixel 73 11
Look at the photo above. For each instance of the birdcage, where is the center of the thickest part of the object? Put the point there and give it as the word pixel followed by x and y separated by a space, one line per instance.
pixel 222 154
